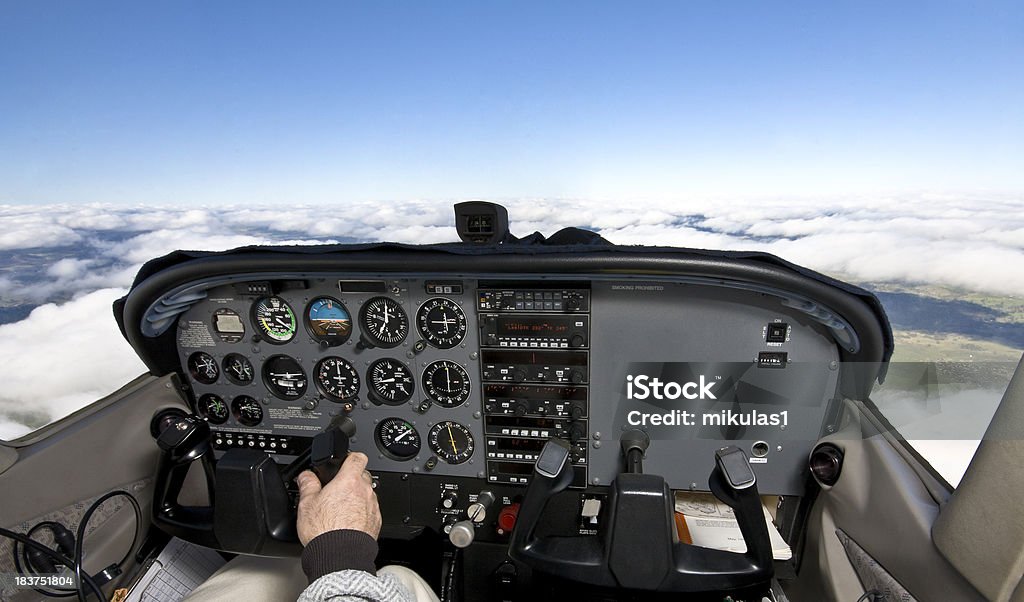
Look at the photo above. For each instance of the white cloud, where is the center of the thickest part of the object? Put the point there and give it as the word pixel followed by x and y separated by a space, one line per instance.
pixel 45 370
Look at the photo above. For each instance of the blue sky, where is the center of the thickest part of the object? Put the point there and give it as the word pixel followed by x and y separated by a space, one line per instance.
pixel 210 103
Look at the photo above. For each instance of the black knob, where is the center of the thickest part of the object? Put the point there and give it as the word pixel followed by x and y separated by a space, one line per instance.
pixel 518 375
pixel 577 340
pixel 521 409
pixel 573 303
pixel 576 376
pixel 576 432
pixel 576 412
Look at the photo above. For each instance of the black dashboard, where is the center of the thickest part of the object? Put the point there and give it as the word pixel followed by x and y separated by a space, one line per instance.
pixel 456 365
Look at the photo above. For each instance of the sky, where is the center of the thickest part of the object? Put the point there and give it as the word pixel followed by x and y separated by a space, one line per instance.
pixel 218 103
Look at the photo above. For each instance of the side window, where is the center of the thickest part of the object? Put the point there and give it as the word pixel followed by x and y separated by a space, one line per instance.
pixel 942 388
pixel 59 357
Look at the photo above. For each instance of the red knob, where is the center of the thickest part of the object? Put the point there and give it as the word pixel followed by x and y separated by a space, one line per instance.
pixel 507 517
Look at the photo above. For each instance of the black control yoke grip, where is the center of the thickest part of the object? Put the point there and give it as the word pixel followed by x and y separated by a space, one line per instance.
pixel 638 547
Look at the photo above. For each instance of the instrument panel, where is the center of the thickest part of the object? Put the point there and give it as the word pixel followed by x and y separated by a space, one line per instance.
pixel 468 377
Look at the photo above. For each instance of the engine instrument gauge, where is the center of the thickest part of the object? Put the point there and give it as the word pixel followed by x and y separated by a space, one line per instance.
pixel 441 322
pixel 274 319
pixel 203 368
pixel 213 408
pixel 238 369
pixel 397 439
pixel 328 321
pixel 446 383
pixel 391 382
pixel 451 441
pixel 336 379
pixel 284 377
pixel 383 321
pixel 247 411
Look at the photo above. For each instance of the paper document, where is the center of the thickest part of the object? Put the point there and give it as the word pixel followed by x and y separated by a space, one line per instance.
pixel 178 570
pixel 711 523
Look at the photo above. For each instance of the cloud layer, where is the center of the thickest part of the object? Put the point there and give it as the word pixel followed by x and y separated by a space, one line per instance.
pixel 71 261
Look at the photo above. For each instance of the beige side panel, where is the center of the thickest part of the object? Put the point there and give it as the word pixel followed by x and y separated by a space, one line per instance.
pixel 981 530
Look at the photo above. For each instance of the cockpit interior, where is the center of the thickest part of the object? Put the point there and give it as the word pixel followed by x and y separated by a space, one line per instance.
pixel 543 417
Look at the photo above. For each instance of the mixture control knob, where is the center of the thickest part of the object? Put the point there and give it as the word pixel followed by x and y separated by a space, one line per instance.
pixel 462 534
pixel 507 517
pixel 449 499
pixel 447 523
pixel 577 340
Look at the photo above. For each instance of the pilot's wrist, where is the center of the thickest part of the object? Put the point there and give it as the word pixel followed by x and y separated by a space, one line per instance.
pixel 343 549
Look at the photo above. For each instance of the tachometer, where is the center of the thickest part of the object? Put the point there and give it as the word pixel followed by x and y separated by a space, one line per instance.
pixel 383 321
pixel 284 377
pixel 247 410
pixel 391 382
pixel 238 368
pixel 446 383
pixel 328 321
pixel 203 368
pixel 274 319
pixel 441 322
pixel 213 408
pixel 451 441
pixel 336 379
pixel 397 439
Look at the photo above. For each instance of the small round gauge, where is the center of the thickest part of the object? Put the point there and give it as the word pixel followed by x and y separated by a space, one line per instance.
pixel 451 441
pixel 203 367
pixel 391 382
pixel 213 408
pixel 284 377
pixel 228 325
pixel 397 439
pixel 336 378
pixel 274 319
pixel 247 410
pixel 238 369
pixel 328 321
pixel 446 383
pixel 384 322
pixel 441 322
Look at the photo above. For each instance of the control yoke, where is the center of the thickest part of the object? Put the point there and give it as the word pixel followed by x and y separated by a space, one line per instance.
pixel 250 510
pixel 637 547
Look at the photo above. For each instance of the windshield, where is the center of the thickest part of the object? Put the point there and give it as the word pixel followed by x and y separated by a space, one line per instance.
pixel 878 144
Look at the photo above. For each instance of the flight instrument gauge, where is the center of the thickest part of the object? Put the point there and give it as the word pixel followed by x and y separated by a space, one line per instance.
pixel 247 410
pixel 213 408
pixel 383 322
pixel 397 439
pixel 391 382
pixel 203 368
pixel 441 322
pixel 336 379
pixel 328 321
pixel 238 368
pixel 274 319
pixel 451 441
pixel 284 377
pixel 446 383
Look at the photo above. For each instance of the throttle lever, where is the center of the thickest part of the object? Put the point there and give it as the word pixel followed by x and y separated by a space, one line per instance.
pixel 330 448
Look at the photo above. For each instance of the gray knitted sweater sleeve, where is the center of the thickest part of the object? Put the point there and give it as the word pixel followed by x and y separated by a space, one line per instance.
pixel 356 586
pixel 340 567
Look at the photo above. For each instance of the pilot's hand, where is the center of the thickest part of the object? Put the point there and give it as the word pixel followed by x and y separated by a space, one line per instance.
pixel 347 502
